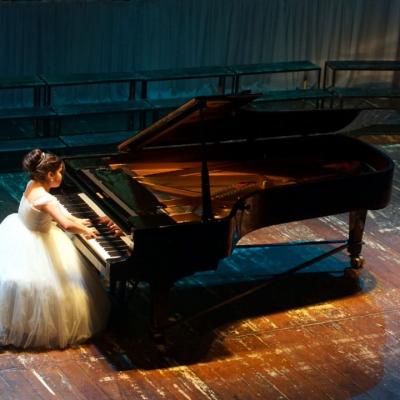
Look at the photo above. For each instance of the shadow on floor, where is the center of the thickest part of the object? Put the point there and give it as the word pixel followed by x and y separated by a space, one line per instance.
pixel 128 343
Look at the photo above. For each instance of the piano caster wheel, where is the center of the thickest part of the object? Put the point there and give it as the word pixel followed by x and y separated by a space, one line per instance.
pixel 159 341
pixel 161 347
pixel 173 319
pixel 357 262
pixel 354 271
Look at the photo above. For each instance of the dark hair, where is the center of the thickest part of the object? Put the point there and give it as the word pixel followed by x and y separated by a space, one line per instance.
pixel 39 164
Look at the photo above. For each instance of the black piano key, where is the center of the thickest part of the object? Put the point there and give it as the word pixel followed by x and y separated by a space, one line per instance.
pixel 115 253
pixel 109 241
pixel 108 237
pixel 118 247
pixel 101 228
pixel 84 214
pixel 113 245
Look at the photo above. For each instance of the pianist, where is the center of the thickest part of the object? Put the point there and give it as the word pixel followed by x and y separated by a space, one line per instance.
pixel 49 296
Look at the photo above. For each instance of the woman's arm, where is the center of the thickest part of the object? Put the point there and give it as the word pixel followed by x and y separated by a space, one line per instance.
pixel 83 221
pixel 111 225
pixel 67 223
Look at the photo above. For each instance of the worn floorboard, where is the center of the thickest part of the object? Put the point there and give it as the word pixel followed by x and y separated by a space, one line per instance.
pixel 316 335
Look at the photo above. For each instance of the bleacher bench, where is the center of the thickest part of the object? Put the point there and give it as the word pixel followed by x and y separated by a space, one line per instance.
pixel 363 92
pixel 12 151
pixel 40 115
pixel 26 112
pixel 297 94
pixel 83 79
pixel 283 67
pixel 333 67
pixel 139 106
pixel 95 141
pixel 174 74
pixel 33 82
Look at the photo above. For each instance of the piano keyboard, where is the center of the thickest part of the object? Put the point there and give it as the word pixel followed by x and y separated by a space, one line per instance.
pixel 107 247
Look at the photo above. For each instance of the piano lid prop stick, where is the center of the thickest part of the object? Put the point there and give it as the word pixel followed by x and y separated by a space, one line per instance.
pixel 207 213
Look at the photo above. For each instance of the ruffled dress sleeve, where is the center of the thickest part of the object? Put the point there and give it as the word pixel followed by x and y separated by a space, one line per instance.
pixel 48 198
pixel 44 199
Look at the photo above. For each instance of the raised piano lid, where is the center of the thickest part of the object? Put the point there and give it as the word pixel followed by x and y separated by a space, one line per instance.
pixel 221 118
pixel 230 118
pixel 173 128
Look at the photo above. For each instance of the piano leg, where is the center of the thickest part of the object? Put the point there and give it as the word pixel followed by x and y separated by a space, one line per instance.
pixel 117 288
pixel 356 231
pixel 122 290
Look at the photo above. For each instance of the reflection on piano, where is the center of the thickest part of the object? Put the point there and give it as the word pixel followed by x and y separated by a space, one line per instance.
pixel 188 187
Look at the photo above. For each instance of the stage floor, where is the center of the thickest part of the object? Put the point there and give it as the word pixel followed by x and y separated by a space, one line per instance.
pixel 316 335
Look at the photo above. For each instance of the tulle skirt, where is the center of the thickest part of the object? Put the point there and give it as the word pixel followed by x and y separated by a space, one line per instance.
pixel 49 296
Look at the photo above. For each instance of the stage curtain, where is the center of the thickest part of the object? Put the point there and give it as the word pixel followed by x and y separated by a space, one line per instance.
pixel 62 37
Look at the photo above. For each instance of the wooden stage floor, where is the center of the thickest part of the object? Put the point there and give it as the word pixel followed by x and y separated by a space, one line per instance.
pixel 316 335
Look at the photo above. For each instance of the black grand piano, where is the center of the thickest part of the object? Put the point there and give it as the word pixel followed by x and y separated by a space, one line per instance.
pixel 187 188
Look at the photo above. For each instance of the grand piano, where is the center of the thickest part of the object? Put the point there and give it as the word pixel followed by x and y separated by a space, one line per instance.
pixel 187 188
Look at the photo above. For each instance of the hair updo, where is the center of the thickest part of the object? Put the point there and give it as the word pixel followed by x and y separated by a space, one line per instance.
pixel 39 164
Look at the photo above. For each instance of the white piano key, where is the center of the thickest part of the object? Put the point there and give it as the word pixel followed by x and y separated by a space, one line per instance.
pixel 100 213
pixel 96 247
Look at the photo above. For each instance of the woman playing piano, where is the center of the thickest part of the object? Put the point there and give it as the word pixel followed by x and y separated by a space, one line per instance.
pixel 49 297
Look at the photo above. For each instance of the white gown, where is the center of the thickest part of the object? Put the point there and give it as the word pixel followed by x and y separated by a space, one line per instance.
pixel 49 296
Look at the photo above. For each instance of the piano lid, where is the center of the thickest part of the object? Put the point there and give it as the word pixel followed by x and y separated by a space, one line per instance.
pixel 188 123
pixel 215 119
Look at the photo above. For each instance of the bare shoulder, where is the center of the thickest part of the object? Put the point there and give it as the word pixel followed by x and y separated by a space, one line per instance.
pixel 33 193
